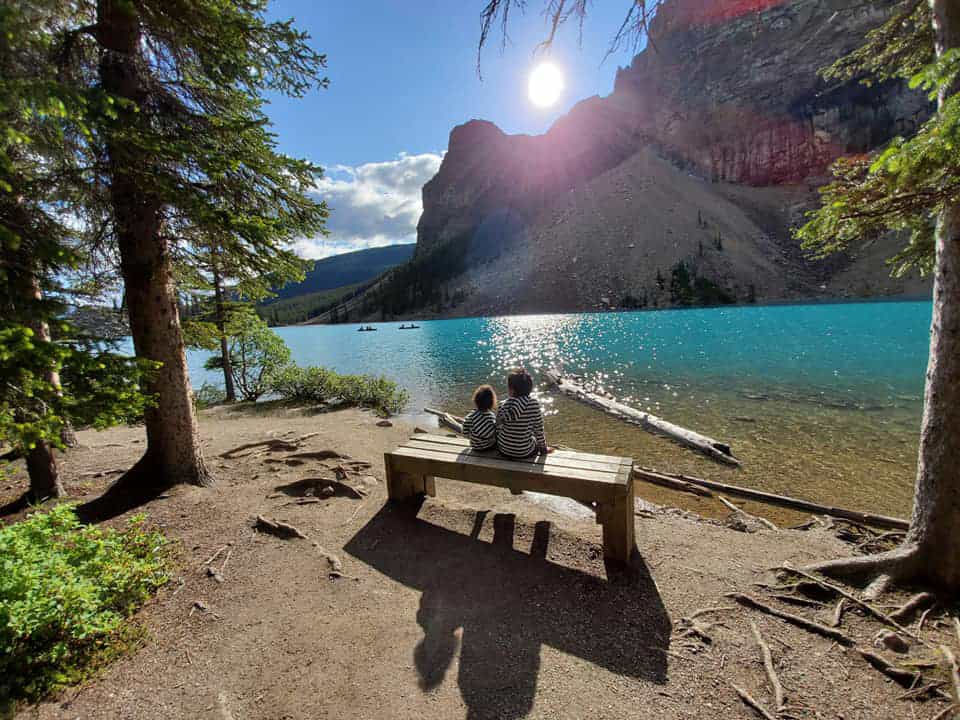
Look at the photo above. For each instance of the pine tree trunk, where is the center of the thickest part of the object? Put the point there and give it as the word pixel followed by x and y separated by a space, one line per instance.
pixel 44 473
pixel 935 526
pixel 173 446
pixel 221 320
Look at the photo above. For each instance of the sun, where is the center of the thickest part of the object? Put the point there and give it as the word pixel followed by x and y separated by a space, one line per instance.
pixel 545 85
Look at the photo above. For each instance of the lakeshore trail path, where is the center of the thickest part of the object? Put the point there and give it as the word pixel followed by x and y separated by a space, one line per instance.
pixel 482 605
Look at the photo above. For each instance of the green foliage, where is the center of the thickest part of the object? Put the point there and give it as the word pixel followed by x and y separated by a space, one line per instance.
pixel 65 591
pixel 899 48
pixel 420 282
pixel 97 388
pixel 688 288
pixel 288 311
pixel 317 386
pixel 209 396
pixel 255 352
pixel 903 187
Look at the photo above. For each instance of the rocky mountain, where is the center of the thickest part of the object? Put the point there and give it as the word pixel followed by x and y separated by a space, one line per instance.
pixel 681 186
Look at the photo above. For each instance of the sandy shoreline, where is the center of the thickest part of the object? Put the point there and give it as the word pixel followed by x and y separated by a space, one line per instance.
pixel 483 605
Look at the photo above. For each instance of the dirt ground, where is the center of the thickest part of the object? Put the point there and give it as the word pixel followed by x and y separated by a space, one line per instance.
pixel 479 604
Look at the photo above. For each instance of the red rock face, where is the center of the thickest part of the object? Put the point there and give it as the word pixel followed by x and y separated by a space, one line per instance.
pixel 730 92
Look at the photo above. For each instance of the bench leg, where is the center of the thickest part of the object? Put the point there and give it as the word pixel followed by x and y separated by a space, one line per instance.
pixel 617 518
pixel 401 485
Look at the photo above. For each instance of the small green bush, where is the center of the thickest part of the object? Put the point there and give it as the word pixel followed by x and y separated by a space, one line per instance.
pixel 317 385
pixel 209 396
pixel 65 590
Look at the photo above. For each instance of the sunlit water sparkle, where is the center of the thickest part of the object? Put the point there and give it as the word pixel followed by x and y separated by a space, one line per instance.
pixel 821 401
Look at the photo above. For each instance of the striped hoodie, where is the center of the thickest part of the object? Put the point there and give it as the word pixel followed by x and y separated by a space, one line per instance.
pixel 481 427
pixel 520 427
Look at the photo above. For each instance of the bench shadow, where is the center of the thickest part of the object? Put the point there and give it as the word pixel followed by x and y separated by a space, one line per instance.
pixel 508 605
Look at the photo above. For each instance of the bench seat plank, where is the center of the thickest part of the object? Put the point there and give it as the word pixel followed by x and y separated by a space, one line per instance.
pixel 547 460
pixel 463 442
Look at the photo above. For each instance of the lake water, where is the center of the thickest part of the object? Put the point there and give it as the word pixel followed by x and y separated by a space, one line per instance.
pixel 818 401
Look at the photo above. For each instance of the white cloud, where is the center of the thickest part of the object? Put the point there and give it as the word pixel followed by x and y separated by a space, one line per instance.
pixel 371 205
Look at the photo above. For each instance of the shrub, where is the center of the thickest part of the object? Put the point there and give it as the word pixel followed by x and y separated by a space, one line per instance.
pixel 256 352
pixel 208 396
pixel 317 385
pixel 65 590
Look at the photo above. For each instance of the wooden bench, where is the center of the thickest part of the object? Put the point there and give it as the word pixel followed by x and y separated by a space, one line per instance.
pixel 603 479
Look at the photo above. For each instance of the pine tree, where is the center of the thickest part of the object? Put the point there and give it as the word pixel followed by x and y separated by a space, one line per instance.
pixel 913 186
pixel 186 152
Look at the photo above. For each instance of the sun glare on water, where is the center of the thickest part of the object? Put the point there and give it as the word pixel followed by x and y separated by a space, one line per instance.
pixel 545 85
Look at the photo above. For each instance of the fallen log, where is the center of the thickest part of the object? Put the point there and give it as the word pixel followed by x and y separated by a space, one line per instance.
pixel 655 478
pixel 713 449
pixel 781 500
pixel 451 421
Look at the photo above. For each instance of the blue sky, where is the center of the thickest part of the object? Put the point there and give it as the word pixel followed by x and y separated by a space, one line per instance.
pixel 402 75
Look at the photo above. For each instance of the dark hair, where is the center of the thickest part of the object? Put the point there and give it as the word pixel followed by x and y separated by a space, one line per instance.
pixel 484 398
pixel 520 382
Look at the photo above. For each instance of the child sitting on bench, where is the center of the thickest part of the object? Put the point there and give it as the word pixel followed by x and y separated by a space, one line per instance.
pixel 480 426
pixel 520 420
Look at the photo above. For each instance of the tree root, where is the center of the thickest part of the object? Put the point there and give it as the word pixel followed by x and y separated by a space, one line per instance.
pixel 838 612
pixel 954 670
pixel 904 678
pixel 767 656
pixel 917 602
pixel 280 529
pixel 947 713
pixel 877 571
pixel 271 445
pixel 923 691
pixel 752 704
pixel 882 616
pixel 801 622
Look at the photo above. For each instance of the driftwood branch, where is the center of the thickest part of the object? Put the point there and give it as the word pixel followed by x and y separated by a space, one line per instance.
pixel 668 481
pixel 782 500
pixel 740 511
pixel 713 449
pixel 446 419
pixel 767 656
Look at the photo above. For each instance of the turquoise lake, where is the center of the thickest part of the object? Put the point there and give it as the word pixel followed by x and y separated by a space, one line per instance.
pixel 821 401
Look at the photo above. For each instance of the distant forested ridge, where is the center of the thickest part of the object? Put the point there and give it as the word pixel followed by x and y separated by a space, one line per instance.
pixel 347 269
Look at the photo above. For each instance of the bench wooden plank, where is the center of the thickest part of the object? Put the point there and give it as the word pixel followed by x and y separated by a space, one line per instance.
pixel 578 484
pixel 463 442
pixel 501 464
pixel 548 460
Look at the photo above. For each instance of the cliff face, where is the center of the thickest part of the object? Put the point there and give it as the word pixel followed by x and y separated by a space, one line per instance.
pixel 728 91
pixel 735 92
